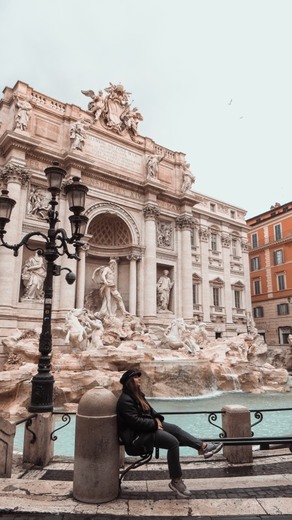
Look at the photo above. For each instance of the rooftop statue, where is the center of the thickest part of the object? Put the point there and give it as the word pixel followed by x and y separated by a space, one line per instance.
pixel 23 113
pixel 188 178
pixel 131 119
pixel 97 104
pixel 78 134
pixel 114 110
pixel 152 162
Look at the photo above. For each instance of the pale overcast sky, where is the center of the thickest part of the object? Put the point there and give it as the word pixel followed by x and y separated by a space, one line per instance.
pixel 212 78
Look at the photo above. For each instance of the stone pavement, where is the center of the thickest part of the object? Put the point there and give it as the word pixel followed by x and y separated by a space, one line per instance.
pixel 220 491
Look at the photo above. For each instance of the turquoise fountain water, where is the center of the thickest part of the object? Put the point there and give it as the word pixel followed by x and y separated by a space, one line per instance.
pixel 277 423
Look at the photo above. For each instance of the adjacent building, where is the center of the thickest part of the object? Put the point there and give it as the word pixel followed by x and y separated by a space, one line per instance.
pixel 270 243
pixel 142 211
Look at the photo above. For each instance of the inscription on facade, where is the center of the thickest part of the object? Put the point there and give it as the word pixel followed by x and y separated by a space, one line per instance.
pixel 168 205
pixel 113 154
pixel 107 186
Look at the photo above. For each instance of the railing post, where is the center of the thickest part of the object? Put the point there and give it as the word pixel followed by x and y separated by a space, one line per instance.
pixel 38 447
pixel 236 423
pixel 7 432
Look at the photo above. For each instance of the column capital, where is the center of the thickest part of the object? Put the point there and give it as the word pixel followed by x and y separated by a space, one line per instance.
pixel 204 234
pixel 151 212
pixel 225 240
pixel 184 222
pixel 14 172
pixel 134 257
pixel 85 247
pixel 244 247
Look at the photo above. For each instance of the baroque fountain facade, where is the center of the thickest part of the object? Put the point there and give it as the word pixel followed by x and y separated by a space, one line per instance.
pixel 180 303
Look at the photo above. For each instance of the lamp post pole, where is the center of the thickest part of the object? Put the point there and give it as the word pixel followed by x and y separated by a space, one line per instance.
pixel 43 381
pixel 56 242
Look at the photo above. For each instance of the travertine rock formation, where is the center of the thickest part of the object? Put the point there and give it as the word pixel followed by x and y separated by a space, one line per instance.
pixel 176 362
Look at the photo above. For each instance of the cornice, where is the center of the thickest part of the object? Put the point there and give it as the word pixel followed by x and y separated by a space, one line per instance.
pixel 169 255
pixel 120 251
pixel 269 245
pixel 21 140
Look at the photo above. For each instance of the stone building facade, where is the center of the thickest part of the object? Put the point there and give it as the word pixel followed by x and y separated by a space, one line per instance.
pixel 142 211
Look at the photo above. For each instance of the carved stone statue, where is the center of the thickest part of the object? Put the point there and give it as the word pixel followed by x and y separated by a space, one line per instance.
pixel 131 119
pixel 97 104
pixel 198 332
pixel 78 134
pixel 38 203
pixel 164 235
pixel 112 301
pixel 23 113
pixel 152 162
pixel 188 178
pixel 75 331
pixel 290 340
pixel 93 327
pixel 33 277
pixel 114 110
pixel 164 286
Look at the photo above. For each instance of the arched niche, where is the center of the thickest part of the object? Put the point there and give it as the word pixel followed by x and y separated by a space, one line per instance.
pixel 112 233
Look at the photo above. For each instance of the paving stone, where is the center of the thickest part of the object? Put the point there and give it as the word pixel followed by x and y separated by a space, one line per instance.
pixel 219 492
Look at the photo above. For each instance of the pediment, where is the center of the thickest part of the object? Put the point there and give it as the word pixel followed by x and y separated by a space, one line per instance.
pixel 217 281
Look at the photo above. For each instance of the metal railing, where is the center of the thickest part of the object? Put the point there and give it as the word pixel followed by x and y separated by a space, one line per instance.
pixel 264 442
pixel 212 418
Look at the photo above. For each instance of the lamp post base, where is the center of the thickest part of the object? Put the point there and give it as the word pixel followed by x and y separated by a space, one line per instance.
pixel 42 394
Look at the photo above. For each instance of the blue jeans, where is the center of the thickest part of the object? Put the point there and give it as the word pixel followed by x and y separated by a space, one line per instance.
pixel 170 439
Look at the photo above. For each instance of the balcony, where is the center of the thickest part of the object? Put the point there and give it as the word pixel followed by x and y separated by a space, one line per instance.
pixel 217 313
pixel 239 315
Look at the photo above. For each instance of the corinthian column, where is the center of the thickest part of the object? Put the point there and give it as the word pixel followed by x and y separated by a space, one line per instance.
pixel 133 284
pixel 80 281
pixel 226 241
pixel 15 177
pixel 151 212
pixel 204 247
pixel 65 293
pixel 184 224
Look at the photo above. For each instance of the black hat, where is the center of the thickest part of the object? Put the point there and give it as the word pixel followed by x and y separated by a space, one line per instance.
pixel 130 373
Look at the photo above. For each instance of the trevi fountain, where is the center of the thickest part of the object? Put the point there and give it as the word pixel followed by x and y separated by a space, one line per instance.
pixel 92 345
pixel 91 349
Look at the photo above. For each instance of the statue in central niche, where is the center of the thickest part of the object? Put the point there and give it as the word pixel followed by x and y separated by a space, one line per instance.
pixel 111 301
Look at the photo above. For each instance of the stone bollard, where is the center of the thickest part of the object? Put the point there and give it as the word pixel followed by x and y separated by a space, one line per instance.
pixel 7 433
pixel 236 423
pixel 96 462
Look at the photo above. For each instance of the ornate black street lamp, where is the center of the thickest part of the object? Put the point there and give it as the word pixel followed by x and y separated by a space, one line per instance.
pixel 56 242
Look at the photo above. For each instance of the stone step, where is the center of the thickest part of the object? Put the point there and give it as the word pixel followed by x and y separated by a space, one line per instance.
pixel 262 490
